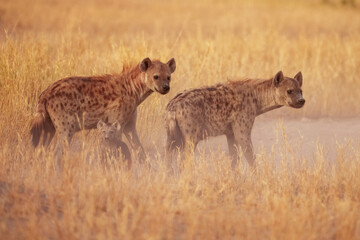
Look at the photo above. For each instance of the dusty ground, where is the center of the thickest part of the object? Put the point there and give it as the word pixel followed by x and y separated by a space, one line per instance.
pixel 305 137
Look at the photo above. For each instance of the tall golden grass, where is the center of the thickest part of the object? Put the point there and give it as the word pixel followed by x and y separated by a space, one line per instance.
pixel 212 41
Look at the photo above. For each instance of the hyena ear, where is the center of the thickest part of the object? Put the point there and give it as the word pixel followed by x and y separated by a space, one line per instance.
pixel 298 77
pixel 116 125
pixel 145 64
pixel 172 65
pixel 278 78
pixel 100 124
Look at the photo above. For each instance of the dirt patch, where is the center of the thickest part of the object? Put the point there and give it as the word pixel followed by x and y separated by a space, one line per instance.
pixel 304 137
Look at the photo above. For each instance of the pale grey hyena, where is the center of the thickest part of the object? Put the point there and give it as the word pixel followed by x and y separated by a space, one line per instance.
pixel 111 145
pixel 228 109
pixel 76 103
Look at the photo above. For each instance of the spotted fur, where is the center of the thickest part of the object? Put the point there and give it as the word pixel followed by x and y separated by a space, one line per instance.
pixel 76 103
pixel 228 109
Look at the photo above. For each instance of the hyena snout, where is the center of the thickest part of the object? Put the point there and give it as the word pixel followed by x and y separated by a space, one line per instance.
pixel 165 88
pixel 301 101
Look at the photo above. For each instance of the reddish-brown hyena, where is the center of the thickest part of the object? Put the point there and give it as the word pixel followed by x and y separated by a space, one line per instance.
pixel 76 103
pixel 228 109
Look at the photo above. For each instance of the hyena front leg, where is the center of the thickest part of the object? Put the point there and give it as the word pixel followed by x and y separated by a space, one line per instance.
pixel 247 148
pixel 131 134
pixel 243 138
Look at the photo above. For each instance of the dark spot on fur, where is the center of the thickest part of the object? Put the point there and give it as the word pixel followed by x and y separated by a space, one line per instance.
pixel 86 79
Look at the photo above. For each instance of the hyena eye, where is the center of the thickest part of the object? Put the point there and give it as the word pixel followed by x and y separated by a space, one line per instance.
pixel 289 91
pixel 301 92
pixel 156 77
pixel 169 78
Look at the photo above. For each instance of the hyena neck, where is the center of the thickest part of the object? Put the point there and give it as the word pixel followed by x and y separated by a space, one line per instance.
pixel 140 90
pixel 145 94
pixel 265 95
pixel 134 84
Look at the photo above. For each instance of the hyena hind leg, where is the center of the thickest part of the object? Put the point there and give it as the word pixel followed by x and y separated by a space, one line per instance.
pixel 175 144
pixel 62 144
pixel 232 146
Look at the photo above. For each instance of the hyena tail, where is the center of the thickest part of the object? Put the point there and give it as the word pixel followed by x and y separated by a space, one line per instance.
pixel 175 138
pixel 42 126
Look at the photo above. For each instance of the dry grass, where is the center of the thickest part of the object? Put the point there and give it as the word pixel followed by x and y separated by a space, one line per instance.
pixel 289 198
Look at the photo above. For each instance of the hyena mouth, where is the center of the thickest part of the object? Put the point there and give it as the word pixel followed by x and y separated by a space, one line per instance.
pixel 163 92
pixel 297 105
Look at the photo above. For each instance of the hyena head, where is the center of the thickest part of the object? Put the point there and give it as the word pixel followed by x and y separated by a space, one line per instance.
pixel 108 131
pixel 158 74
pixel 288 90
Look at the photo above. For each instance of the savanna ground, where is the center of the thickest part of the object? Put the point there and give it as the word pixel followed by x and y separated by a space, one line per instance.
pixel 307 185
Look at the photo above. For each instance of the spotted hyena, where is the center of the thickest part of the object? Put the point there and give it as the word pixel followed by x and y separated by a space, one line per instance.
pixel 111 143
pixel 76 103
pixel 228 109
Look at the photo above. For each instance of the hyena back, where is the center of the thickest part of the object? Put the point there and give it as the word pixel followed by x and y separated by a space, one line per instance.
pixel 76 103
pixel 228 109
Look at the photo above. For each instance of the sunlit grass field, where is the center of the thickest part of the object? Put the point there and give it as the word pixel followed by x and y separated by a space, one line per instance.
pixel 289 197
